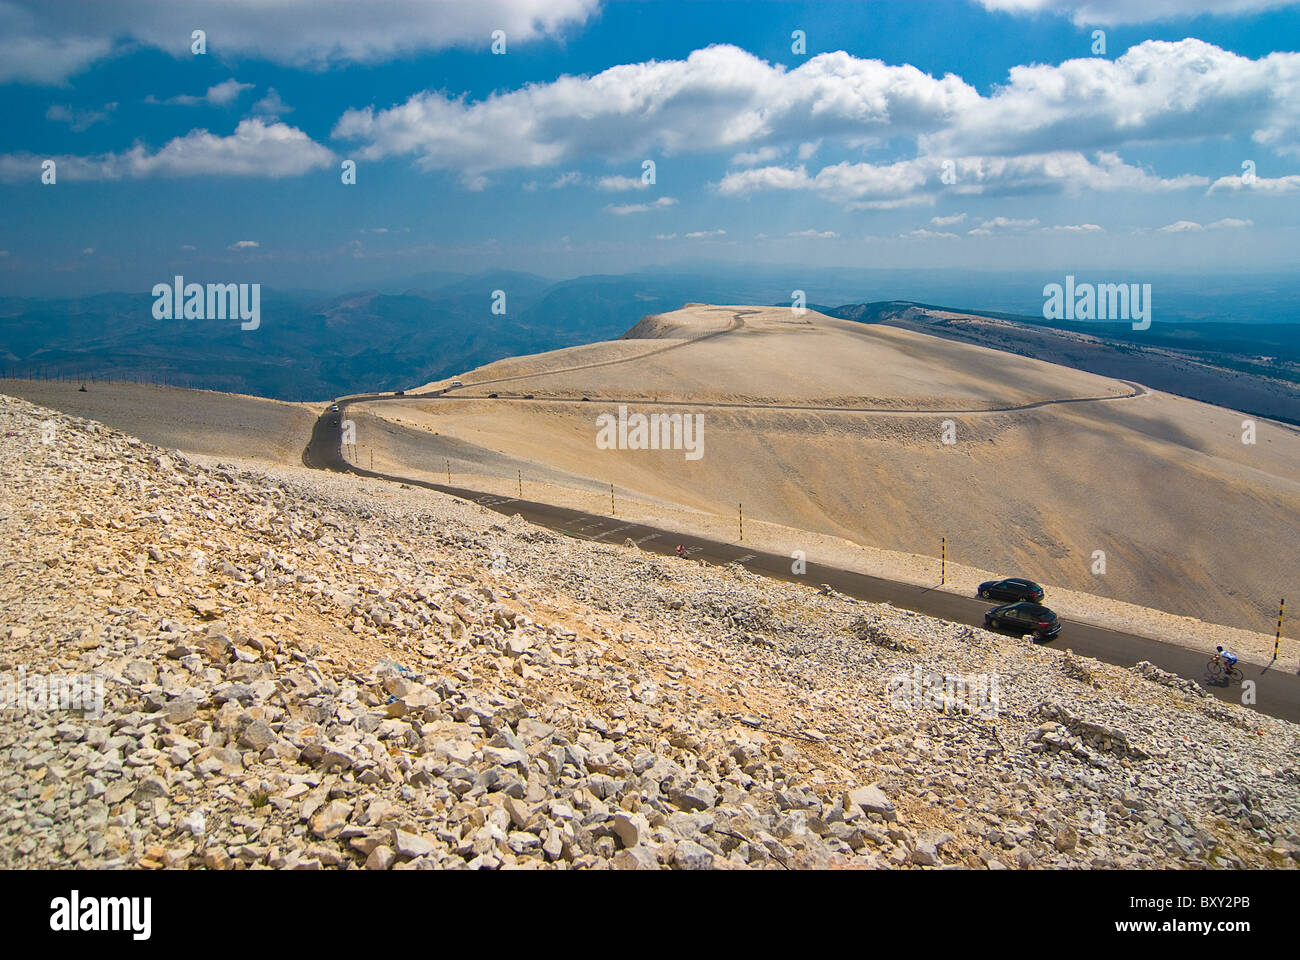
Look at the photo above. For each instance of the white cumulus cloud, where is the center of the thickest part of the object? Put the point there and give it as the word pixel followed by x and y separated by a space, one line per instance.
pixel 222 94
pixel 255 149
pixel 1107 12
pixel 754 157
pixel 920 233
pixel 45 43
pixel 271 106
pixel 1288 184
pixel 995 224
pixel 1044 121
pixel 1074 228
pixel 78 120
pixel 873 186
pixel 621 183
pixel 623 209
pixel 1156 91
pixel 718 98
pixel 1191 226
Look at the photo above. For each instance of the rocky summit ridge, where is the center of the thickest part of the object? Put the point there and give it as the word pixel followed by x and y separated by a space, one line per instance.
pixel 302 670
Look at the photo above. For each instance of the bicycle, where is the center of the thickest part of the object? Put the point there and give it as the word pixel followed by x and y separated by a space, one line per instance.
pixel 1218 671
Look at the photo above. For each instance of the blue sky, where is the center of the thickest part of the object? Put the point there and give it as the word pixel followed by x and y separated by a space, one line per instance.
pixel 982 134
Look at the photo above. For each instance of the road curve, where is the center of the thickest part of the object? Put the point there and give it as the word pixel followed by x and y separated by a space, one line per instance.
pixel 1277 693
pixel 1136 390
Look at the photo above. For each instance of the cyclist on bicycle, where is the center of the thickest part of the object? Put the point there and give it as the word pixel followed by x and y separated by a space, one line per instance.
pixel 1227 656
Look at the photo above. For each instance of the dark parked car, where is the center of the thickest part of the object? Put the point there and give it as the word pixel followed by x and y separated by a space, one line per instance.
pixel 1012 589
pixel 528 396
pixel 399 393
pixel 492 396
pixel 1022 618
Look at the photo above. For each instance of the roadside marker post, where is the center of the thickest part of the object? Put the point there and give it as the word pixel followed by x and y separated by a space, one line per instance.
pixel 611 499
pixel 741 508
pixel 521 483
pixel 943 560
pixel 448 463
pixel 1277 638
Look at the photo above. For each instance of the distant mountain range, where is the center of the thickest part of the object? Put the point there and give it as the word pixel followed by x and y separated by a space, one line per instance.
pixel 312 346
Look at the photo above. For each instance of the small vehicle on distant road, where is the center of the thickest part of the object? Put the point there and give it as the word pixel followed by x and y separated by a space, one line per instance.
pixel 529 396
pixel 1011 589
pixel 399 393
pixel 492 396
pixel 1022 618
pixel 458 383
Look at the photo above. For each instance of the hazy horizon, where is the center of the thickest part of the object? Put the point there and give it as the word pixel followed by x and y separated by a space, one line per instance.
pixel 1265 296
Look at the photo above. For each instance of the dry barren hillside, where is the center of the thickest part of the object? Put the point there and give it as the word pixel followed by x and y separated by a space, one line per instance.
pixel 196 421
pixel 839 428
pixel 308 670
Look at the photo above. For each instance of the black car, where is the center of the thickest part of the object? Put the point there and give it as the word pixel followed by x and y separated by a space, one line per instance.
pixel 399 393
pixel 529 396
pixel 1011 589
pixel 492 396
pixel 1022 618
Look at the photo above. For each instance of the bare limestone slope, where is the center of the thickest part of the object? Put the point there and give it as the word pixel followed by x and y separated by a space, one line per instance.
pixel 308 670
pixel 197 421
pixel 841 429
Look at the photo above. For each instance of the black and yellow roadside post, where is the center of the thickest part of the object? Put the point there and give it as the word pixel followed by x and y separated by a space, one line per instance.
pixel 741 508
pixel 1277 638
pixel 611 499
pixel 943 560
pixel 448 463
pixel 521 483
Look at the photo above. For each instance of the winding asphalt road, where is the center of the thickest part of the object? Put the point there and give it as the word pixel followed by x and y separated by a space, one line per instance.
pixel 1277 692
